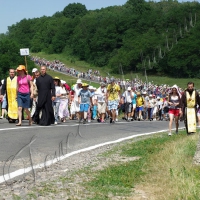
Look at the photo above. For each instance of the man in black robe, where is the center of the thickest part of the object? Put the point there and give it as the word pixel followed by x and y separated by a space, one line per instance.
pixel 46 94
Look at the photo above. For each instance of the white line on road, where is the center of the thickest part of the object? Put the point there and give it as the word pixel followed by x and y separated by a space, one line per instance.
pixel 19 172
pixel 76 124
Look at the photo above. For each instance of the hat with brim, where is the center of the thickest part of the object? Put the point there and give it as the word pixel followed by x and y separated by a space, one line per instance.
pixel 85 85
pixel 90 87
pixel 21 67
pixel 103 84
pixel 34 70
pixel 79 81
pixel 62 81
pixel 56 78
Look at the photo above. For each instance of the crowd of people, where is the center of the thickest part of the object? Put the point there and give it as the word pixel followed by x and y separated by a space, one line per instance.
pixel 49 100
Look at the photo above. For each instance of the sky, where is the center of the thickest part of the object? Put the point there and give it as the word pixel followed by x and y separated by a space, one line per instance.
pixel 13 11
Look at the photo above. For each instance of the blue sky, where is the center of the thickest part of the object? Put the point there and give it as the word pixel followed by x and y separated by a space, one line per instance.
pixel 13 11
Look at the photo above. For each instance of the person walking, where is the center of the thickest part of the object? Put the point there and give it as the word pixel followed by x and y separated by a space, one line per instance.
pixel 64 100
pixel 128 96
pixel 150 107
pixel 190 99
pixel 101 102
pixel 84 99
pixel 9 88
pixel 174 108
pixel 35 94
pixel 76 105
pixel 46 94
pixel 24 93
pixel 140 103
pixel 56 102
pixel 113 93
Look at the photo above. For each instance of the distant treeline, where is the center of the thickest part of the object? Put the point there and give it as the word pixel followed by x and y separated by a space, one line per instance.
pixel 161 37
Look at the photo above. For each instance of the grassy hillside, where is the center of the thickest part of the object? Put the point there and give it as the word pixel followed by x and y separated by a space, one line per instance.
pixel 83 67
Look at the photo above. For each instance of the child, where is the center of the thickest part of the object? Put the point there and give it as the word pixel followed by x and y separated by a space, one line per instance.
pixel 85 99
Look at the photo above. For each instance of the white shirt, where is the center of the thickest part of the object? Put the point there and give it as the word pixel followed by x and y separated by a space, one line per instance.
pixel 127 96
pixel 58 91
pixel 159 104
pixel 77 91
pixel 101 94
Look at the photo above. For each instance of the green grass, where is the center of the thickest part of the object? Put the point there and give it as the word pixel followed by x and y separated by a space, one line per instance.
pixel 120 180
pixel 66 59
pixel 83 67
pixel 125 176
pixel 70 80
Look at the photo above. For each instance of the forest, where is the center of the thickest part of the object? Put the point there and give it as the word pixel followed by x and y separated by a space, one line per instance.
pixel 160 37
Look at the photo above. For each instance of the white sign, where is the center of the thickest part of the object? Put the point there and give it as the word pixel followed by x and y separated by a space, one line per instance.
pixel 24 52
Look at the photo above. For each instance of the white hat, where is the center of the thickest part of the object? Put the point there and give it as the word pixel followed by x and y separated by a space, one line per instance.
pixel 79 81
pixel 90 87
pixel 129 88
pixel 2 81
pixel 158 97
pixel 34 70
pixel 144 92
pixel 63 82
pixel 150 95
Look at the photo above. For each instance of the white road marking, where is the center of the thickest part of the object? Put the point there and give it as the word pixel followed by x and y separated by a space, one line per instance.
pixel 50 162
pixel 76 124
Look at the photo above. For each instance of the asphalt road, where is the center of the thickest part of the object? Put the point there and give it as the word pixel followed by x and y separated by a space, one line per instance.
pixel 57 140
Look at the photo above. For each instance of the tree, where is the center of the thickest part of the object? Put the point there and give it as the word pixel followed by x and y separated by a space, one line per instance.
pixel 74 9
pixel 10 57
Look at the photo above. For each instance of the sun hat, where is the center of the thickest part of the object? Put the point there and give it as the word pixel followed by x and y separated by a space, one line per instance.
pixel 34 70
pixel 79 81
pixel 112 80
pixel 103 84
pixel 21 67
pixel 62 81
pixel 56 78
pixel 85 85
pixel 91 87
pixel 129 88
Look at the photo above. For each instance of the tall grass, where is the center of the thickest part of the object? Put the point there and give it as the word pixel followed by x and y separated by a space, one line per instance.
pixel 165 170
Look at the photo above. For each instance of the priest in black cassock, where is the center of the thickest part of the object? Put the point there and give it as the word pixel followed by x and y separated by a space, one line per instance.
pixel 46 94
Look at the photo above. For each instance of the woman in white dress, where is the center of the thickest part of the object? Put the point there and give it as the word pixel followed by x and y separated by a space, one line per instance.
pixel 63 109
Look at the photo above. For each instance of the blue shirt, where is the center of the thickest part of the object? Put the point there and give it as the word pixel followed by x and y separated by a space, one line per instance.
pixel 134 99
pixel 85 96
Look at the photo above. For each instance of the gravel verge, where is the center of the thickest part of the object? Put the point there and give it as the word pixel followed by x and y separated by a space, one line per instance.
pixel 64 179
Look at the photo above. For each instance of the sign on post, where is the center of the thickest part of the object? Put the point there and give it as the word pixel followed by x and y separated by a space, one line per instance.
pixel 24 52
